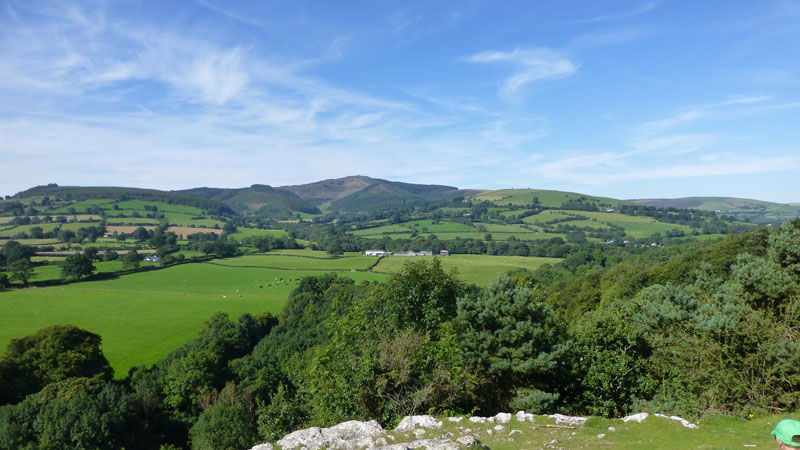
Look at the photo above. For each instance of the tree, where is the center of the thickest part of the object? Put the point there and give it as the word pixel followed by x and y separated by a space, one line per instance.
pixel 77 266
pixel 132 260
pixel 13 251
pixel 51 354
pixel 515 342
pixel 141 234
pixel 92 253
pixel 421 296
pixel 21 270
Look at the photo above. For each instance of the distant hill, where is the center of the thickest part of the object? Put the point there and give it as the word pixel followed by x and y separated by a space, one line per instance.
pixel 258 200
pixel 80 193
pixel 361 193
pixel 755 211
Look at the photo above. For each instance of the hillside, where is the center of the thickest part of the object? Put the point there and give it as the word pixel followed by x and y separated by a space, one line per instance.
pixel 258 200
pixel 58 193
pixel 755 211
pixel 357 193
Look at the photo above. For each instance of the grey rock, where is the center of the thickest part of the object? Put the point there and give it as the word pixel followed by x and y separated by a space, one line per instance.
pixel 568 420
pixel 427 444
pixel 501 418
pixel 683 421
pixel 410 422
pixel 468 441
pixel 266 446
pixel 522 416
pixel 344 436
pixel 638 418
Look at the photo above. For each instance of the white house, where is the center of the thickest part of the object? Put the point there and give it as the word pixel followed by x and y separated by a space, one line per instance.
pixel 376 253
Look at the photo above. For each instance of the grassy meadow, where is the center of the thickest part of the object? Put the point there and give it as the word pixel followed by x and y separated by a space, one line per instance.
pixel 143 316
pixel 477 269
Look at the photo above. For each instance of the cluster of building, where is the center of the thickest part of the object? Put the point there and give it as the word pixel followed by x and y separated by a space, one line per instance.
pixel 408 253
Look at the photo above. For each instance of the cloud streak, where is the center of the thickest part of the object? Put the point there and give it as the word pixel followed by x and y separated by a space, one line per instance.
pixel 532 65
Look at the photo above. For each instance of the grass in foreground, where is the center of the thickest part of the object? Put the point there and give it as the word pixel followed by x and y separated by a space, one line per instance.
pixel 716 432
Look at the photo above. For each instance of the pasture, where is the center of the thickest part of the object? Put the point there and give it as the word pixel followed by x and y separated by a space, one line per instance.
pixel 143 316
pixel 548 198
pixel 477 269
pixel 299 262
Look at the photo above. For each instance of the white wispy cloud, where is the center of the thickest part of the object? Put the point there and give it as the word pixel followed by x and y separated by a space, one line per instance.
pixel 621 15
pixel 120 102
pixel 532 64
pixel 613 167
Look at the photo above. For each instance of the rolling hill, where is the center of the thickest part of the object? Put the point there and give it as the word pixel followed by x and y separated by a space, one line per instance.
pixel 358 193
pixel 755 211
pixel 258 200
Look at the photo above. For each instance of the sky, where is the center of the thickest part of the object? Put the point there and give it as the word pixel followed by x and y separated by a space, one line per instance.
pixel 625 99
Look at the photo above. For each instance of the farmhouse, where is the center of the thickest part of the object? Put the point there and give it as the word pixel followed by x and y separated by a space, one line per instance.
pixel 408 253
pixel 444 253
pixel 376 253
pixel 153 258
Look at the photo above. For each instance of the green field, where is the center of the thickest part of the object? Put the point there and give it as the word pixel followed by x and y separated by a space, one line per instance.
pixel 551 199
pixel 11 231
pixel 143 316
pixel 478 269
pixel 242 233
pixel 294 262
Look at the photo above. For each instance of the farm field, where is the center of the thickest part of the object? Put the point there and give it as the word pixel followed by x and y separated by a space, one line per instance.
pixel 478 269
pixel 11 231
pixel 242 233
pixel 143 316
pixel 299 262
pixel 552 199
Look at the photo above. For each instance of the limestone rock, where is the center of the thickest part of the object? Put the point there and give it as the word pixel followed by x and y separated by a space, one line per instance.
pixel 469 441
pixel 266 446
pixel 501 418
pixel 410 422
pixel 426 444
pixel 683 421
pixel 638 418
pixel 522 416
pixel 568 420
pixel 345 436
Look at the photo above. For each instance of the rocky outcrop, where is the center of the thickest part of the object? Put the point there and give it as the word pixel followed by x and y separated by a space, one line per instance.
pixel 350 435
pixel 410 422
pixel 640 417
pixel 568 420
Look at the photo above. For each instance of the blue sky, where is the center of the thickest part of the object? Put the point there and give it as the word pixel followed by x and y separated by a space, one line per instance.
pixel 623 99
